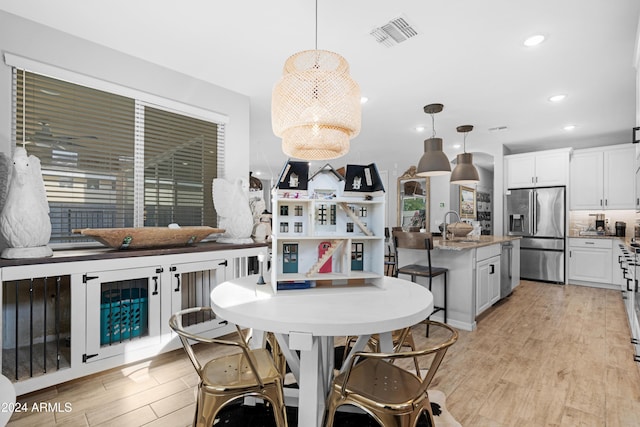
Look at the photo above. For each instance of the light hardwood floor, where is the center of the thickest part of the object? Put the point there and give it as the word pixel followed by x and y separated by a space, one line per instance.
pixel 548 356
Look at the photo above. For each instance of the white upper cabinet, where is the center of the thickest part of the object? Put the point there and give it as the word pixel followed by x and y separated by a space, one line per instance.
pixel 539 169
pixel 587 180
pixel 603 178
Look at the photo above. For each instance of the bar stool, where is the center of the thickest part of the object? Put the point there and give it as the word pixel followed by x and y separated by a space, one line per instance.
pixel 424 241
pixel 390 256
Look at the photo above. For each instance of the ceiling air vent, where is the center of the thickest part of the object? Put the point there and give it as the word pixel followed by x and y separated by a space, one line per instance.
pixel 395 31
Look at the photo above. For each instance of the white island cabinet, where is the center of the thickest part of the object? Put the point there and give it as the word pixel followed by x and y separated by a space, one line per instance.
pixel 487 277
pixel 474 275
pixel 84 311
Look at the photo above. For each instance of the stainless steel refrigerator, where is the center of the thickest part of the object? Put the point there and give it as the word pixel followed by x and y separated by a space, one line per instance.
pixel 538 215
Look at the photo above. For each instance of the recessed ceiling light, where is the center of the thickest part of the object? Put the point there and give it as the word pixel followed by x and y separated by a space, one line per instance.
pixel 456 146
pixel 257 173
pixel 534 40
pixel 569 127
pixel 419 128
pixel 363 100
pixel 557 98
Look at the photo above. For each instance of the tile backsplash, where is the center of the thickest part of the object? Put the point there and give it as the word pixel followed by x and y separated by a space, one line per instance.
pixel 581 221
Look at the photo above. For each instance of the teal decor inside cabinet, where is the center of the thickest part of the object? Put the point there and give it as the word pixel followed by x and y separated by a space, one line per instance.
pixel 328 234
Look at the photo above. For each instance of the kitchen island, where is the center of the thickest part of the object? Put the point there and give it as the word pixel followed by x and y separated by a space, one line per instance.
pixel 475 270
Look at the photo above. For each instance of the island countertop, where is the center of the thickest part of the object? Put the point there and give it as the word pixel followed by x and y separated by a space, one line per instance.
pixel 462 243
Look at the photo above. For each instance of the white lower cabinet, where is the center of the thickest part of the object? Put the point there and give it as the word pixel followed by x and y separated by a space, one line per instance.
pixel 590 261
pixel 487 277
pixel 67 318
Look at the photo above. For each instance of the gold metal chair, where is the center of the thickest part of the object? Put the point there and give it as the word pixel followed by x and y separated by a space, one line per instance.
pixel 227 378
pixel 402 338
pixel 424 241
pixel 393 396
pixel 276 353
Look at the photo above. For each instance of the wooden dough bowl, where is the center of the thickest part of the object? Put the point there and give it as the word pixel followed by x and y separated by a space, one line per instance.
pixel 148 237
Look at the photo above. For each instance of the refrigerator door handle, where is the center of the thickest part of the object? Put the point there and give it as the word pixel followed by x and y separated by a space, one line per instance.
pixel 531 213
pixel 534 210
pixel 509 252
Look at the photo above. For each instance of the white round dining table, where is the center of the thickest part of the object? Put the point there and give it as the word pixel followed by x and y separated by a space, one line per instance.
pixel 307 320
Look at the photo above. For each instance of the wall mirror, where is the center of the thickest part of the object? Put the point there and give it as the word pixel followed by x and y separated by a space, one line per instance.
pixel 413 200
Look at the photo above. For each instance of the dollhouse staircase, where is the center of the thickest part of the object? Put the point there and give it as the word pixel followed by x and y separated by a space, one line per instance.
pixel 335 244
pixel 355 219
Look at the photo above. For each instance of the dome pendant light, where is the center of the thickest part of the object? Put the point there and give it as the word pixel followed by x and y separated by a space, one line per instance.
pixel 465 173
pixel 433 162
pixel 315 107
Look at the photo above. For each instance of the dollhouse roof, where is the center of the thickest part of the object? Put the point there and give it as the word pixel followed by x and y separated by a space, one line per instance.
pixel 328 169
pixel 362 179
pixel 294 176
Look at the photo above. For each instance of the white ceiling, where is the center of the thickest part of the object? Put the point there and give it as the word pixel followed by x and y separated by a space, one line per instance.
pixel 468 55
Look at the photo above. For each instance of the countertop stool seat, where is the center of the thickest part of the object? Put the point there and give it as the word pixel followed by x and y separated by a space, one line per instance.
pixel 423 241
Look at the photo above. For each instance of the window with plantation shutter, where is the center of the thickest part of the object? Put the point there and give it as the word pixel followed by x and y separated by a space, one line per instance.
pixel 115 161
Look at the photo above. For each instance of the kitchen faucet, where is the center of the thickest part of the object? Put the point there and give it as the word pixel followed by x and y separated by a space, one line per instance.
pixel 444 220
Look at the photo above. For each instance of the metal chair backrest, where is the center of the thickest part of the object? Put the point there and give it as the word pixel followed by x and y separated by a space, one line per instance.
pixel 175 323
pixel 439 350
pixel 229 377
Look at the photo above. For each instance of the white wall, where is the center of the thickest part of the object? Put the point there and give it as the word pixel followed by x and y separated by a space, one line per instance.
pixel 44 44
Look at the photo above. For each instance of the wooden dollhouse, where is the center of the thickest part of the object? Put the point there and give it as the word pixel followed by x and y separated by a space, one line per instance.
pixel 328 230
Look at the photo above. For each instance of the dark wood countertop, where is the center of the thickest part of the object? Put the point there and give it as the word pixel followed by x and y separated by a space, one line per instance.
pixel 90 254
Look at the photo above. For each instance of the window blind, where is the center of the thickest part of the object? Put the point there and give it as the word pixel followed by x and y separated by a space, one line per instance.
pixel 179 166
pixel 84 139
pixel 111 161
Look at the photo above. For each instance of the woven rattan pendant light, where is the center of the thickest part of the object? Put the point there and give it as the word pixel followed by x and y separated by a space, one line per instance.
pixel 315 107
pixel 433 162
pixel 465 173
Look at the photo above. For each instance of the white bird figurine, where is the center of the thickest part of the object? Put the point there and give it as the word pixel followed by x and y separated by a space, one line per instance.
pixel 25 226
pixel 234 214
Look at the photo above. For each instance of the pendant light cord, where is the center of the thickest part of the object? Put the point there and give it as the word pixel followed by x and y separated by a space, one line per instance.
pixel 464 142
pixel 433 126
pixel 316 24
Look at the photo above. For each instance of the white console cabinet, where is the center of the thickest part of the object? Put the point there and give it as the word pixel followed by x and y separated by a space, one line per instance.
pixel 82 312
